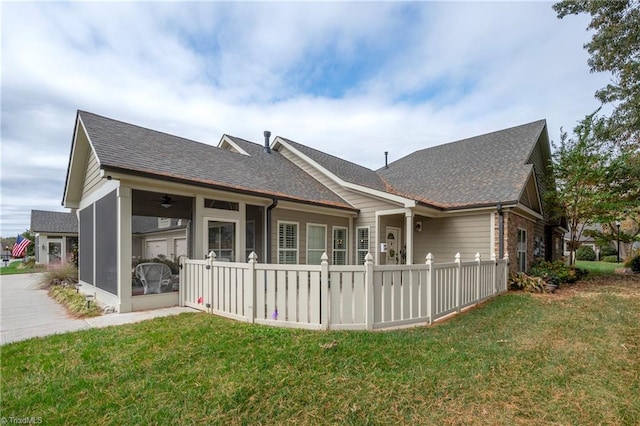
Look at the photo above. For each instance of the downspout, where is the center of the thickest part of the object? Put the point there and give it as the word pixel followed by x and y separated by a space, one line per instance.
pixel 268 239
pixel 500 232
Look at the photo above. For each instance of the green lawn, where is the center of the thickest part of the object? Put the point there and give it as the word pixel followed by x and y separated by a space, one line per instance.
pixel 17 267
pixel 571 357
pixel 598 267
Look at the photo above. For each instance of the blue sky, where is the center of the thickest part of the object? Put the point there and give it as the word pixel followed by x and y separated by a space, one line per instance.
pixel 353 79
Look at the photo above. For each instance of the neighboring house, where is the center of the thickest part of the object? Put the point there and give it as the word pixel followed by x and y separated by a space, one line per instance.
pixel 584 240
pixel 56 234
pixel 159 237
pixel 290 203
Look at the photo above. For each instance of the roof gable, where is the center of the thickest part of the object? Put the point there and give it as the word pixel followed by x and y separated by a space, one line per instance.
pixel 343 169
pixel 128 148
pixel 480 170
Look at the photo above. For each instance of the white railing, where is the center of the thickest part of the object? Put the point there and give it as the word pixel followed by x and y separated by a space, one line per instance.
pixel 339 297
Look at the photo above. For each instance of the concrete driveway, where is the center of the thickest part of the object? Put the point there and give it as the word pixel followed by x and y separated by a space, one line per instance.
pixel 26 312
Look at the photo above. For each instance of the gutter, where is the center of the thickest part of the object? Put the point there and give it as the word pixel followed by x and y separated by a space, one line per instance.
pixel 268 239
pixel 500 231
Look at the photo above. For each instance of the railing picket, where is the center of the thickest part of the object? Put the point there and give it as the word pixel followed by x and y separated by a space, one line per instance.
pixel 293 296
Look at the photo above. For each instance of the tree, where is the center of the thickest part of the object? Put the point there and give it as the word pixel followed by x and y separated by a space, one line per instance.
pixel 31 247
pixel 581 169
pixel 614 47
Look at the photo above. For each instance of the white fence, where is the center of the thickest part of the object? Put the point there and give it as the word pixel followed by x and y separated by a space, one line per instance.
pixel 339 297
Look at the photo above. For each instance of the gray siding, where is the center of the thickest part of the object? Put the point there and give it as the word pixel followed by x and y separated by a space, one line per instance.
pixel 303 218
pixel 368 205
pixel 444 237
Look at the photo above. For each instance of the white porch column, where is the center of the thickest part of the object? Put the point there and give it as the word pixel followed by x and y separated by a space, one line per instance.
pixel 409 237
pixel 124 249
pixel 198 230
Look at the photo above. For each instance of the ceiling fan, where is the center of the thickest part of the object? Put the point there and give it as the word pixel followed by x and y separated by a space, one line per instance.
pixel 166 201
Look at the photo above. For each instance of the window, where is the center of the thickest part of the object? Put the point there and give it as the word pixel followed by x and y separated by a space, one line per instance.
pixel 221 204
pixel 339 246
pixel 222 237
pixel 250 243
pixel 287 243
pixel 362 244
pixel 522 250
pixel 316 243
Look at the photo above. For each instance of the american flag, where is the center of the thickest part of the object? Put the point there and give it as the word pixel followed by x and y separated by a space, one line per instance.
pixel 20 247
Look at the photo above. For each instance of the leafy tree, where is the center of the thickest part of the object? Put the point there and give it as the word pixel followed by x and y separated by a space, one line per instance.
pixel 614 47
pixel 608 234
pixel 581 169
pixel 31 247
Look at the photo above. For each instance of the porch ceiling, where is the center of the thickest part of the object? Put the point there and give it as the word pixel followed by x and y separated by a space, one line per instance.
pixel 147 203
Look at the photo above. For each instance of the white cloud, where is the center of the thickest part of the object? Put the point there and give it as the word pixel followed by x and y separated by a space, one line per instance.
pixel 352 79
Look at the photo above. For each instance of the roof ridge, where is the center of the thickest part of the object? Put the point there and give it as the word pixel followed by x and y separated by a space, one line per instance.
pixel 542 120
pixel 145 128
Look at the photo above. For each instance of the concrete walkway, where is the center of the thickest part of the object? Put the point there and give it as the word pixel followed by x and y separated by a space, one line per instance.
pixel 26 312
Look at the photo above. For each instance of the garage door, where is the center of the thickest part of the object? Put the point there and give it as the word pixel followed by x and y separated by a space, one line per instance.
pixel 180 247
pixel 156 248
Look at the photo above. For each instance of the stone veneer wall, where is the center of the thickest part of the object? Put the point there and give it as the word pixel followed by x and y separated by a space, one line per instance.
pixel 512 223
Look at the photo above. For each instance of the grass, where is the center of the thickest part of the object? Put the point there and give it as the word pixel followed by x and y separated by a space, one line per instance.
pixel 572 357
pixel 17 267
pixel 598 267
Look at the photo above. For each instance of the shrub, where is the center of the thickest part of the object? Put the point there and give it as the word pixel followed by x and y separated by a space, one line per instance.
pixel 75 302
pixel 608 251
pixel 610 259
pixel 634 263
pixel 59 274
pixel 524 282
pixel 556 273
pixel 585 253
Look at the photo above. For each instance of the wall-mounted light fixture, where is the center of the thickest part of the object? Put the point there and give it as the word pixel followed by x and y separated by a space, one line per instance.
pixel 419 226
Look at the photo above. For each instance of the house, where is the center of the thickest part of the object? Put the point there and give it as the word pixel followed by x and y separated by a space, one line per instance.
pixel 56 235
pixel 290 203
pixel 158 237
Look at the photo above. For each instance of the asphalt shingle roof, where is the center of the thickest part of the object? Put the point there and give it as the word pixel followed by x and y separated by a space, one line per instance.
pixel 345 170
pixel 53 222
pixel 123 146
pixel 480 170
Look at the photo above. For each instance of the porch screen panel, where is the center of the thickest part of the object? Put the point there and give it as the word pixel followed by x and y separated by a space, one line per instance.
pixel 85 251
pixel 107 243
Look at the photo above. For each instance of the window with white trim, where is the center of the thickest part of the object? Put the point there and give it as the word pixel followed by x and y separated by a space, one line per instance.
pixel 522 250
pixel 362 244
pixel 316 243
pixel 288 243
pixel 339 245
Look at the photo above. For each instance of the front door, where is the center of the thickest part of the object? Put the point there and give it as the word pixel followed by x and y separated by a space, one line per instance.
pixel 394 245
pixel 55 250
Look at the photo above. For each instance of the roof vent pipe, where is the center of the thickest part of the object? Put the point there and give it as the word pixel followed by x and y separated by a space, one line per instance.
pixel 386 156
pixel 267 135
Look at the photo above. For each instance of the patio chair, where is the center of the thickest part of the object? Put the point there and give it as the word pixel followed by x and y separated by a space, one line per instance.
pixel 155 277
